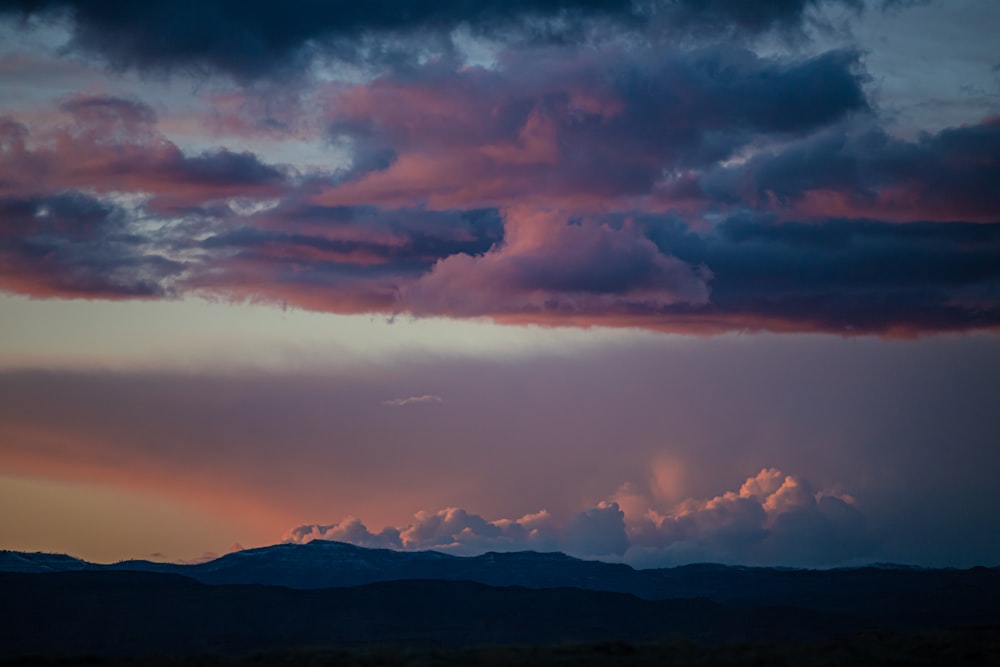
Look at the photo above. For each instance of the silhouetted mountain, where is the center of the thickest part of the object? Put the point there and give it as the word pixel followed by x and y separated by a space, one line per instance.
pixel 16 561
pixel 324 564
pixel 718 602
pixel 115 612
pixel 327 564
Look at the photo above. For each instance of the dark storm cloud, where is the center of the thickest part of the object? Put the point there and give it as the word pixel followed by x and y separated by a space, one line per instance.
pixel 404 240
pixel 847 275
pixel 251 39
pixel 222 167
pixel 552 123
pixel 369 150
pixel 755 16
pixel 751 15
pixel 419 227
pixel 952 174
pixel 401 250
pixel 71 244
pixel 698 107
pixel 340 259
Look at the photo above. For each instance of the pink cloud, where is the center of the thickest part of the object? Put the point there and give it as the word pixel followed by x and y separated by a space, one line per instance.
pixel 111 144
pixel 452 529
pixel 548 264
pixel 640 188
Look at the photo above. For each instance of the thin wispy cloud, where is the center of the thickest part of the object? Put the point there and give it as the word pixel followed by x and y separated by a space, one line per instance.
pixel 423 399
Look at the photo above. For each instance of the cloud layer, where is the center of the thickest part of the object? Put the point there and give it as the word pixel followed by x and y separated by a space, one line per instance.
pixel 772 519
pixel 537 174
pixel 255 39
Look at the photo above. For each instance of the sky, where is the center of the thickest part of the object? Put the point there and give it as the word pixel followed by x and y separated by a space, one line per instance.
pixel 655 282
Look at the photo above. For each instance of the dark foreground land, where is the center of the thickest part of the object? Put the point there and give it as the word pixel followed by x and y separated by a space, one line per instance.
pixel 972 646
pixel 333 604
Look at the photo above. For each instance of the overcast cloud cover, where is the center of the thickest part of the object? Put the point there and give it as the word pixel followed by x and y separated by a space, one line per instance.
pixel 808 168
pixel 689 166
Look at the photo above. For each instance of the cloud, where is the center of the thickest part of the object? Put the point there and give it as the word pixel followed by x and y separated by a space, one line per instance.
pixel 180 231
pixel 71 244
pixel 258 39
pixel 859 172
pixel 112 145
pixel 597 531
pixel 843 275
pixel 547 264
pixel 574 127
pixel 773 519
pixel 348 530
pixel 754 16
pixel 250 40
pixel 453 530
pixel 410 400
pixel 685 187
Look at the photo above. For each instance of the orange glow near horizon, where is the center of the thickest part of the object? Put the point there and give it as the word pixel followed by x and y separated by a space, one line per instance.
pixel 106 523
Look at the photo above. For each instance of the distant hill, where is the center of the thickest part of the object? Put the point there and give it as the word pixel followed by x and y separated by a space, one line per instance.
pixel 122 613
pixel 328 564
pixel 333 594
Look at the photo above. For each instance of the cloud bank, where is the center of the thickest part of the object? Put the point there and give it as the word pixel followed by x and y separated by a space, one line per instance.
pixel 773 519
pixel 540 173
pixel 249 40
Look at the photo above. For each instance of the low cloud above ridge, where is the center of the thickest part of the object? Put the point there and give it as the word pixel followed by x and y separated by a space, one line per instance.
pixel 773 519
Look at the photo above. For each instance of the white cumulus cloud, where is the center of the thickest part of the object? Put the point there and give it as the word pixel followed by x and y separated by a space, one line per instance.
pixel 772 519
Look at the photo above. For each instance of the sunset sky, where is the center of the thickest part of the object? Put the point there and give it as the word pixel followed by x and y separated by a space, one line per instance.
pixel 660 282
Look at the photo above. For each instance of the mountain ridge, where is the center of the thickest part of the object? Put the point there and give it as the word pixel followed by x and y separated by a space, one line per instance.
pixel 322 564
pixel 335 594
